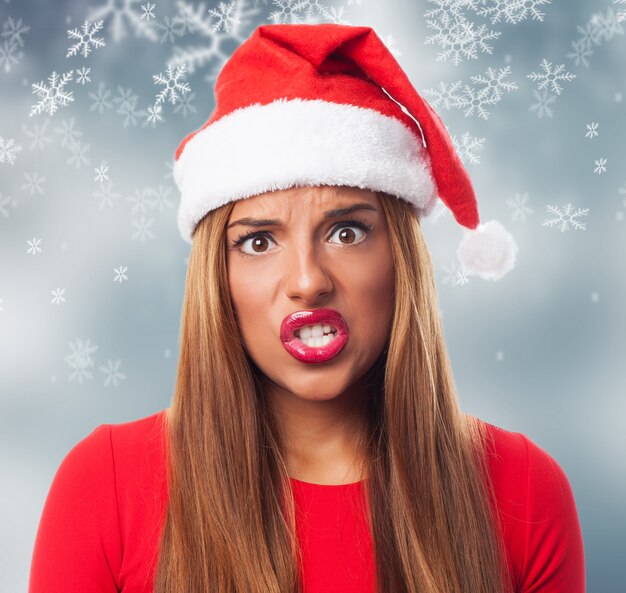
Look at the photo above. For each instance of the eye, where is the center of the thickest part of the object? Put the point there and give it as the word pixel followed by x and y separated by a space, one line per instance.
pixel 258 238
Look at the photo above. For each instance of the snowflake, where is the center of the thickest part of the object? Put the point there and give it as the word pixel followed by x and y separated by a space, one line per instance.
pixel 38 135
pixel 195 20
pixel 5 202
pixel 8 150
pixel 101 172
pixel 457 36
pixel 33 183
pixel 473 99
pixel 607 25
pixel 172 84
pixel 85 39
pixel 9 55
pixel 580 53
pixel 141 200
pixel 78 155
pixel 160 198
pixel 621 14
pixel 551 77
pixel 520 209
pixel 467 147
pixel 564 218
pixel 13 31
pixel 80 359
pixel 100 99
pixel 118 10
pixel 170 28
pixel 185 104
pixel 291 11
pixel 127 106
pixel 57 296
pixel 120 274
pixel 106 195
pixel 33 246
pixel 53 97
pixel 455 274
pixel 542 106
pixel 154 115
pixel 224 17
pixel 111 372
pixel 513 11
pixel 83 77
pixel 148 11
pixel 600 166
pixel 592 130
pixel 143 229
pixel 69 135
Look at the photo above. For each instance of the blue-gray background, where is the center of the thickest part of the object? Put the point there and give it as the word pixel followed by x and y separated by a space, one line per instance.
pixel 541 351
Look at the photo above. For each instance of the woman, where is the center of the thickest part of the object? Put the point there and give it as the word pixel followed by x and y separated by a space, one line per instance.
pixel 314 442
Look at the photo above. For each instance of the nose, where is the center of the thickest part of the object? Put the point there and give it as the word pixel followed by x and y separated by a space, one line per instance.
pixel 308 277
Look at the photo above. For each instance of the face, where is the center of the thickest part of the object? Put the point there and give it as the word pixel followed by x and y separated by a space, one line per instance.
pixel 307 261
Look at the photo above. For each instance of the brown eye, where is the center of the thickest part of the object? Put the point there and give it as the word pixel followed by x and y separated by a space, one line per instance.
pixel 347 235
pixel 257 244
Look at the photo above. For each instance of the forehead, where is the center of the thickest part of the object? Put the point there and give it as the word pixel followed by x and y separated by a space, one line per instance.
pixel 309 197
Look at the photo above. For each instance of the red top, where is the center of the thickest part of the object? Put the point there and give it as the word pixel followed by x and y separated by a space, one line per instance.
pixel 101 519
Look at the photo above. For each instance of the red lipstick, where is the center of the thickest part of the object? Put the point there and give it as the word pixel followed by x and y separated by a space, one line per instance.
pixel 314 354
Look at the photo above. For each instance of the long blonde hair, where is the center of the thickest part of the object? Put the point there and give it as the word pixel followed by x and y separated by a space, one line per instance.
pixel 229 524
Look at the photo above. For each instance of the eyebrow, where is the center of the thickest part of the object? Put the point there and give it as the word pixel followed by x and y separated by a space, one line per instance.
pixel 258 222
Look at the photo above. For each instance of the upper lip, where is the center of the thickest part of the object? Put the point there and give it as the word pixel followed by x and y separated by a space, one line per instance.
pixel 297 319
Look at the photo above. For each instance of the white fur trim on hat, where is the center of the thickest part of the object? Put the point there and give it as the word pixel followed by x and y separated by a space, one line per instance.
pixel 298 142
pixel 489 251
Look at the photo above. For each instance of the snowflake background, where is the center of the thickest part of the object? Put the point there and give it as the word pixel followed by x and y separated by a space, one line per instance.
pixel 92 267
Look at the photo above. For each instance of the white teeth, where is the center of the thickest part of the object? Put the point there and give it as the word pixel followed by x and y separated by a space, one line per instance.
pixel 314 331
pixel 316 342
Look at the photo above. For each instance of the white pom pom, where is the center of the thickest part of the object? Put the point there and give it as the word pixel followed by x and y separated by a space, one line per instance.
pixel 488 251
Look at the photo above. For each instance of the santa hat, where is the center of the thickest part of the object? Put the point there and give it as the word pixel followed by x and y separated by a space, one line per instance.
pixel 328 104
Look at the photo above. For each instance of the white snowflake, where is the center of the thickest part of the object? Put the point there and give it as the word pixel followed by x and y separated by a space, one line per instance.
pixel 224 16
pixel 33 246
pixel 467 148
pixel 494 82
pixel 120 274
pixel 599 28
pixel 121 11
pixel 106 195
pixel 5 202
pixel 600 166
pixel 455 274
pixel 100 99
pixel 607 24
pixel 185 105
pixel 170 29
pixel 101 172
pixel 513 11
pixel 542 105
pixel 143 229
pixel 195 19
pixel 10 55
pixel 80 359
pixel 112 374
pixel 520 209
pixel 141 200
pixel 170 80
pixel 565 218
pixel 161 195
pixel 580 52
pixel 127 106
pixel 457 37
pixel 154 114
pixel 54 96
pixel 38 134
pixel 148 11
pixel 33 183
pixel 551 77
pixel 621 14
pixel 86 39
pixel 83 76
pixel 57 296
pixel 298 11
pixel 592 130
pixel 8 150
pixel 13 30
pixel 78 156
pixel 69 135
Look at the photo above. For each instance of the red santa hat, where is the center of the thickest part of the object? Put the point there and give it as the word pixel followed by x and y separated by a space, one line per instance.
pixel 328 104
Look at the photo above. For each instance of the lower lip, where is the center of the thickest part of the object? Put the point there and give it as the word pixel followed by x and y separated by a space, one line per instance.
pixel 315 354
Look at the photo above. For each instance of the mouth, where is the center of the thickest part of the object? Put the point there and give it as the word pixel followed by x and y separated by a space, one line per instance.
pixel 314 336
